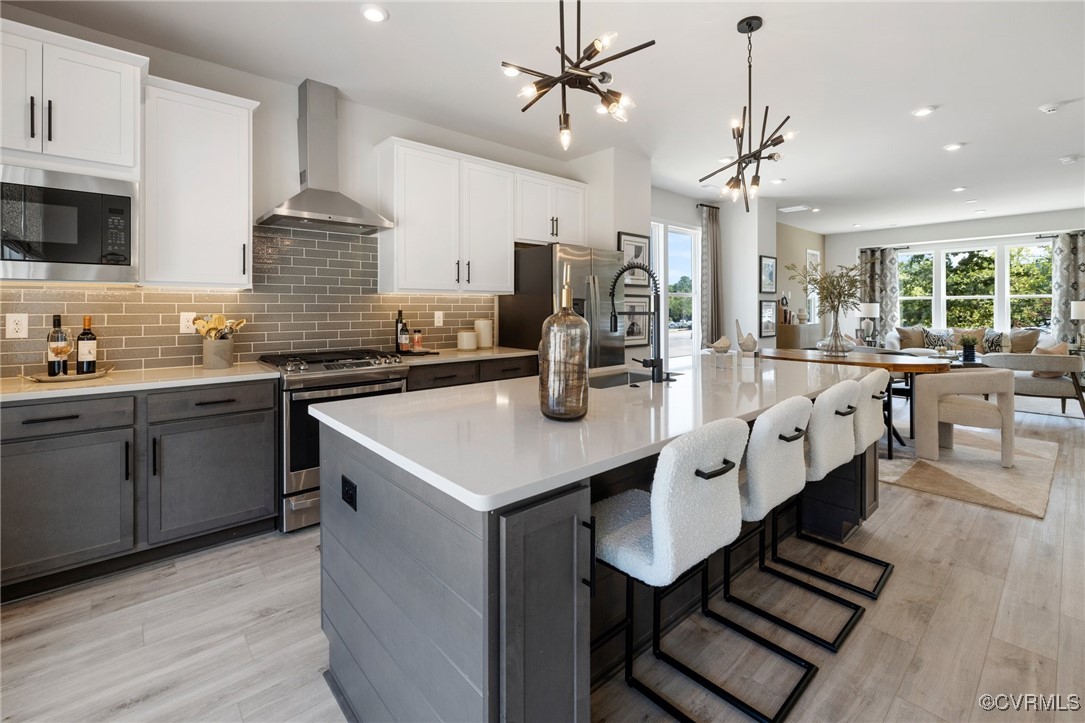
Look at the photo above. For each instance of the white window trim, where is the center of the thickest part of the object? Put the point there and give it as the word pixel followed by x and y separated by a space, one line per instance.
pixel 659 261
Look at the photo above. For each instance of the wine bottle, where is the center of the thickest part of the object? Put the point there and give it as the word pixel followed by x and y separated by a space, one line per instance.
pixel 58 346
pixel 403 334
pixel 86 350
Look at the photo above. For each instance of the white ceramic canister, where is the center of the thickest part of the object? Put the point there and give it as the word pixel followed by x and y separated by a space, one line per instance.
pixel 484 328
pixel 466 340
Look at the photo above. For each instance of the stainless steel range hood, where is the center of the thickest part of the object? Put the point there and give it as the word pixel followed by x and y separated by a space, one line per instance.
pixel 320 206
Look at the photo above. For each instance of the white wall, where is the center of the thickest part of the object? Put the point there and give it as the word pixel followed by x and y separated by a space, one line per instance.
pixel 668 206
pixel 619 195
pixel 746 236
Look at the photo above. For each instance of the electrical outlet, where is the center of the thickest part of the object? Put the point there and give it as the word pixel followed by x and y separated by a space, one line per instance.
pixel 16 326
pixel 350 493
pixel 186 326
pixel 438 318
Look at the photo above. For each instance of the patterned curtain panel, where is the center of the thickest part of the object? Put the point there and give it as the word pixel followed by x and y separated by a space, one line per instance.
pixel 1067 283
pixel 881 286
pixel 711 287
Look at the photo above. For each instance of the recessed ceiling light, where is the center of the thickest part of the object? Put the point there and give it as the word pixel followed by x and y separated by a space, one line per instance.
pixel 794 209
pixel 1050 108
pixel 857 225
pixel 511 72
pixel 972 200
pixel 815 210
pixel 1067 160
pixel 374 13
pixel 777 181
pixel 980 210
pixel 924 111
pixel 958 189
pixel 953 146
pixel 725 159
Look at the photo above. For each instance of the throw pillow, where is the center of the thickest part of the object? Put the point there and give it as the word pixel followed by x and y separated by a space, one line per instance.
pixel 977 334
pixel 1022 341
pixel 911 337
pixel 1062 349
pixel 992 341
pixel 934 338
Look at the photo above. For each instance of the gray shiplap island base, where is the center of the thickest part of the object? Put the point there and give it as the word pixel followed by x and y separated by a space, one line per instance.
pixel 456 588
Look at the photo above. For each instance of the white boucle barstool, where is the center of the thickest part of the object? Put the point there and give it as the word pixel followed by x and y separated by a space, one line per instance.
pixel 663 538
pixel 775 472
pixel 832 441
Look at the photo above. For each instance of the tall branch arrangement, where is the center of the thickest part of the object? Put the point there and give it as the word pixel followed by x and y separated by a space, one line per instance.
pixel 837 290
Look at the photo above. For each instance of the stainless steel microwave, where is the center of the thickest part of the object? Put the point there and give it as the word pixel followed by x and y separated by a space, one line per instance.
pixel 66 227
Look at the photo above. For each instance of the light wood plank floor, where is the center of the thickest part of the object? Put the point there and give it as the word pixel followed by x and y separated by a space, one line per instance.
pixel 981 601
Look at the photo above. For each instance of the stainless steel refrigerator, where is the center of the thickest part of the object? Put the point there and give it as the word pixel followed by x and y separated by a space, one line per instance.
pixel 538 290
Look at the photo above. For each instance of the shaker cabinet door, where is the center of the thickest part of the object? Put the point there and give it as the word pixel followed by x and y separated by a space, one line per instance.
pixel 65 500
pixel 428 221
pixel 21 122
pixel 567 204
pixel 534 219
pixel 487 229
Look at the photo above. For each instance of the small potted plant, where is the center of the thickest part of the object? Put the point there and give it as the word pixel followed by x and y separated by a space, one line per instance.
pixel 968 347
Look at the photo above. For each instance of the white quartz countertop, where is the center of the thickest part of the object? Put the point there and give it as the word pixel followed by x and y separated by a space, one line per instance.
pixel 488 445
pixel 460 355
pixel 17 389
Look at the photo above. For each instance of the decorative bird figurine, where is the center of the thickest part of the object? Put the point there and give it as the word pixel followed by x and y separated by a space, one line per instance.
pixel 745 342
pixel 721 345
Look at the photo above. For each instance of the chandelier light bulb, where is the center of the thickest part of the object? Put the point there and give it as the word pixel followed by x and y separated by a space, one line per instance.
pixel 528 91
pixel 511 72
pixel 565 133
pixel 617 112
pixel 626 102
pixel 606 40
pixel 602 108
pixel 734 195
pixel 755 183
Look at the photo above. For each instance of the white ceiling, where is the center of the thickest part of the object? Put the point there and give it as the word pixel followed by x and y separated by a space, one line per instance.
pixel 848 74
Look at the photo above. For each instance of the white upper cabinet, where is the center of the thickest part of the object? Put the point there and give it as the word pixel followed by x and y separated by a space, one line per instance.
pixel 197 190
pixel 70 105
pixel 549 209
pixel 453 221
pixel 488 203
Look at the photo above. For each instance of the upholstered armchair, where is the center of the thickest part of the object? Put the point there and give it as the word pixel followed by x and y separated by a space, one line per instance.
pixel 1066 386
pixel 943 400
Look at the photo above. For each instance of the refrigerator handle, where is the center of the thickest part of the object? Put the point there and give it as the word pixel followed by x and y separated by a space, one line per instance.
pixel 593 312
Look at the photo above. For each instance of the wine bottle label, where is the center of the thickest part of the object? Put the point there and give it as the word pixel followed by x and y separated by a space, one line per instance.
pixel 88 351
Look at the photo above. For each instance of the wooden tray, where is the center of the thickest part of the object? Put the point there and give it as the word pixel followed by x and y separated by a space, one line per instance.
pixel 46 379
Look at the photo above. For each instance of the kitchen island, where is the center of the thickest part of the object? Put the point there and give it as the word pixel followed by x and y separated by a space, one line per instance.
pixel 455 539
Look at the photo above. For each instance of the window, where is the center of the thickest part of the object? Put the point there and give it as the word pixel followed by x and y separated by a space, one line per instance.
pixel 1004 283
pixel 970 288
pixel 681 255
pixel 916 273
pixel 1030 285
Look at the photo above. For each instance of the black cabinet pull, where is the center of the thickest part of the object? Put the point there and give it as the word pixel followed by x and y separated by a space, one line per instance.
pixel 469 272
pixel 127 473
pixel 727 466
pixel 49 127
pixel 851 411
pixel 557 226
pixel 244 259
pixel 590 580
pixel 154 456
pixel 43 420
pixel 879 396
pixel 511 369
pixel 457 272
pixel 216 401
pixel 799 434
pixel 442 378
pixel 32 132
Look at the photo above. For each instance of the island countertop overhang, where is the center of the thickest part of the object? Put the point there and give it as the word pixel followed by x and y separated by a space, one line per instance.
pixel 488 445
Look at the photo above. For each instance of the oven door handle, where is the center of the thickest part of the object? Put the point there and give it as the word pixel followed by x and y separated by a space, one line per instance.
pixel 346 391
pixel 295 505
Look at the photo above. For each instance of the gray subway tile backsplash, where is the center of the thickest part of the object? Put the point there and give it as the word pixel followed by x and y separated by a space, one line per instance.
pixel 311 290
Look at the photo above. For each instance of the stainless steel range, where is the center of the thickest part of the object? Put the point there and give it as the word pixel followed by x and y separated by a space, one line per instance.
pixel 311 378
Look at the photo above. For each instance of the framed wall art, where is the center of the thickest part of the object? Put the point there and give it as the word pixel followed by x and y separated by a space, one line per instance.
pixel 637 248
pixel 637 328
pixel 768 274
pixel 768 319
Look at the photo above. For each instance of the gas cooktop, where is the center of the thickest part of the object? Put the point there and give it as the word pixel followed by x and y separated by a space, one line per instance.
pixel 348 364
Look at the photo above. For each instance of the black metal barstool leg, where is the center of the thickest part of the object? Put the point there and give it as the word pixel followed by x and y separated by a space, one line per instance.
pixel 628 629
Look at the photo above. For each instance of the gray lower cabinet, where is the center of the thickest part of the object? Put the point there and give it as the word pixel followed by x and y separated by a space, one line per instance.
pixel 207 474
pixel 66 500
pixel 545 611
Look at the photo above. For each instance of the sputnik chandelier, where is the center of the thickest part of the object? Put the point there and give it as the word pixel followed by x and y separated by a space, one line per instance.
pixel 740 131
pixel 578 75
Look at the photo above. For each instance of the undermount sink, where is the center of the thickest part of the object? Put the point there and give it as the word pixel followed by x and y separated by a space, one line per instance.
pixel 606 381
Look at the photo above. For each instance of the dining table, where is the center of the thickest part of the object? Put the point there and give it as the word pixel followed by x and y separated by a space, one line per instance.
pixel 890 361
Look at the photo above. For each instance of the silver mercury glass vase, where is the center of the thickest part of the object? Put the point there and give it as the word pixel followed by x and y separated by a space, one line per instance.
pixel 563 362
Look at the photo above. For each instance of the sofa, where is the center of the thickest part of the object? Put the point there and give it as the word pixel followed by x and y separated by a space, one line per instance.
pixel 1061 373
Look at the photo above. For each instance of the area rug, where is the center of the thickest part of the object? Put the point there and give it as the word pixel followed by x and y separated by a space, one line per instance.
pixel 971 472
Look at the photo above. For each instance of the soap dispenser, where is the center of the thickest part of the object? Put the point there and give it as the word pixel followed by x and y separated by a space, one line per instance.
pixel 563 360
